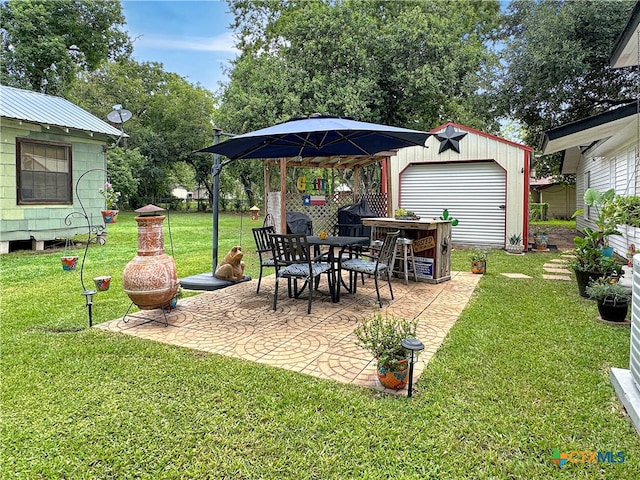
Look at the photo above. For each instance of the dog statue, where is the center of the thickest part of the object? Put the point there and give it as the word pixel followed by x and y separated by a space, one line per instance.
pixel 232 268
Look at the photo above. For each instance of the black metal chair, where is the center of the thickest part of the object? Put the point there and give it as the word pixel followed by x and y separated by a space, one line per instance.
pixel 378 265
pixel 353 230
pixel 263 247
pixel 294 261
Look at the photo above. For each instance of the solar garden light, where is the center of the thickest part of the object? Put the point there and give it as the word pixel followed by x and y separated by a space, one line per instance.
pixel 415 346
pixel 88 302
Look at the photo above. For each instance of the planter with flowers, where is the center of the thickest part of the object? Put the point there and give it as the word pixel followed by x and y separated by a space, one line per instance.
pixel 478 262
pixel 111 197
pixel 382 336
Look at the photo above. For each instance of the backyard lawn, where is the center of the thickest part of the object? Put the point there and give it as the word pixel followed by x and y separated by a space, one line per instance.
pixel 524 372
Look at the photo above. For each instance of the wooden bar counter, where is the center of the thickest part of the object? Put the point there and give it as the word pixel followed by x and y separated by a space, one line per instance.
pixel 431 244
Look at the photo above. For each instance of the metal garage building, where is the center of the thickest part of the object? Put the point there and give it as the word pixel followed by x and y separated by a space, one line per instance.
pixel 482 180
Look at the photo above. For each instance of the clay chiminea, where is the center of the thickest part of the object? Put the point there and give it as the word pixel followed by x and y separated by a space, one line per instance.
pixel 150 278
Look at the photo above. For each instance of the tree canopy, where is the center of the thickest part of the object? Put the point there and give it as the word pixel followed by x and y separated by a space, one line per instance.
pixel 46 42
pixel 555 65
pixel 414 64
pixel 170 119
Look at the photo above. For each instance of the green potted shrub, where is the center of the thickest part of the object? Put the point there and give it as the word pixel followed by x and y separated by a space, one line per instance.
pixel 478 261
pixel 613 299
pixel 382 336
pixel 590 263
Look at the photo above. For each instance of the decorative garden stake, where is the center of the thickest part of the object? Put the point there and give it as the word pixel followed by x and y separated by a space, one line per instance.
pixel 94 233
pixel 414 346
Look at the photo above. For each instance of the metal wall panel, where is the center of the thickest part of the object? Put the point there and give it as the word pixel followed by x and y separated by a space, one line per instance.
pixel 473 192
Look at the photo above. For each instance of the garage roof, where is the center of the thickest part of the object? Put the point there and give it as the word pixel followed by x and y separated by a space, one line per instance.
pixel 39 108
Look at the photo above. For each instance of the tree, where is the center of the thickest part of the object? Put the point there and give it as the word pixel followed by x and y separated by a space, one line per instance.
pixel 46 42
pixel 414 64
pixel 170 119
pixel 555 64
pixel 124 166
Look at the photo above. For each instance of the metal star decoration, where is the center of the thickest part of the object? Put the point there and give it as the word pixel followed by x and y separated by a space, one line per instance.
pixel 450 139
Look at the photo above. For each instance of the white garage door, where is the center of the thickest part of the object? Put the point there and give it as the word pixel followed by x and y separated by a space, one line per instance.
pixel 474 193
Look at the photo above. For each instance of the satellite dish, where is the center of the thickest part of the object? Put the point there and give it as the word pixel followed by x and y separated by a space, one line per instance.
pixel 119 116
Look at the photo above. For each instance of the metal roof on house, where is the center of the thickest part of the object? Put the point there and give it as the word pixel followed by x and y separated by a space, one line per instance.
pixel 45 109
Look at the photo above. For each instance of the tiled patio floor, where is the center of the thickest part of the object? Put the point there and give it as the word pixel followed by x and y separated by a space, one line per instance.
pixel 238 323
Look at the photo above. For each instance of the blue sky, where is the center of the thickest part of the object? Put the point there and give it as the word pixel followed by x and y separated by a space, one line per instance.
pixel 190 38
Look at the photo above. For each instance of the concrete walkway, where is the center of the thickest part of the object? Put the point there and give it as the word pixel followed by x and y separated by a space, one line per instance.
pixel 239 323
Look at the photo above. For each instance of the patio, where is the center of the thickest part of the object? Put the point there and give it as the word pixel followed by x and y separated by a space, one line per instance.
pixel 238 323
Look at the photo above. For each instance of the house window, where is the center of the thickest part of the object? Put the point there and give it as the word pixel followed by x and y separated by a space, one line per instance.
pixel 44 172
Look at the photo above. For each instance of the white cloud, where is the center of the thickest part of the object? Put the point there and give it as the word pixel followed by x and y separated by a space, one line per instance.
pixel 218 43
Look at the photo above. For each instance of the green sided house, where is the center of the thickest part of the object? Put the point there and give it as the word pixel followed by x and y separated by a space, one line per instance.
pixel 46 144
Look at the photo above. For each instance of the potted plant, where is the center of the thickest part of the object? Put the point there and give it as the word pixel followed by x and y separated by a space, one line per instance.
pixel 382 336
pixel 589 263
pixel 613 299
pixel 607 217
pixel 111 197
pixel 515 246
pixel 403 214
pixel 478 261
pixel 540 240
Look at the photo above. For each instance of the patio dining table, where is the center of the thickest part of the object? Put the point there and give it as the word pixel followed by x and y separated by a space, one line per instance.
pixel 343 244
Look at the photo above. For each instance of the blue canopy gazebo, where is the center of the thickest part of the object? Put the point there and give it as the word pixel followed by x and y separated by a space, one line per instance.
pixel 318 141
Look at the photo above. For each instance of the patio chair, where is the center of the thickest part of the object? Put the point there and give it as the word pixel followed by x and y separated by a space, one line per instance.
pixel 263 247
pixel 293 261
pixel 377 265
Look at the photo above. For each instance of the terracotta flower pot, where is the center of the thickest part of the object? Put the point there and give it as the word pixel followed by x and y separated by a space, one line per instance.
pixel 478 267
pixel 150 279
pixel 102 283
pixel 69 262
pixel 395 379
pixel 110 216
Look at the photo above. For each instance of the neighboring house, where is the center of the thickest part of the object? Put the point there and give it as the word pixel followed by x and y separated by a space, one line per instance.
pixel 47 144
pixel 560 197
pixel 481 179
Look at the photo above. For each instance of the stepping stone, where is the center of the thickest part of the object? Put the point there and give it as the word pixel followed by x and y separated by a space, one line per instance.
pixel 515 275
pixel 552 269
pixel 557 277
pixel 557 260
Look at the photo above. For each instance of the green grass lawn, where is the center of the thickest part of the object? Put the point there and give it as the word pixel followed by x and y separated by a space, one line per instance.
pixel 523 372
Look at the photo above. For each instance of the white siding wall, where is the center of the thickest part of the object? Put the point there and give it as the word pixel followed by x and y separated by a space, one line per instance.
pixel 617 170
